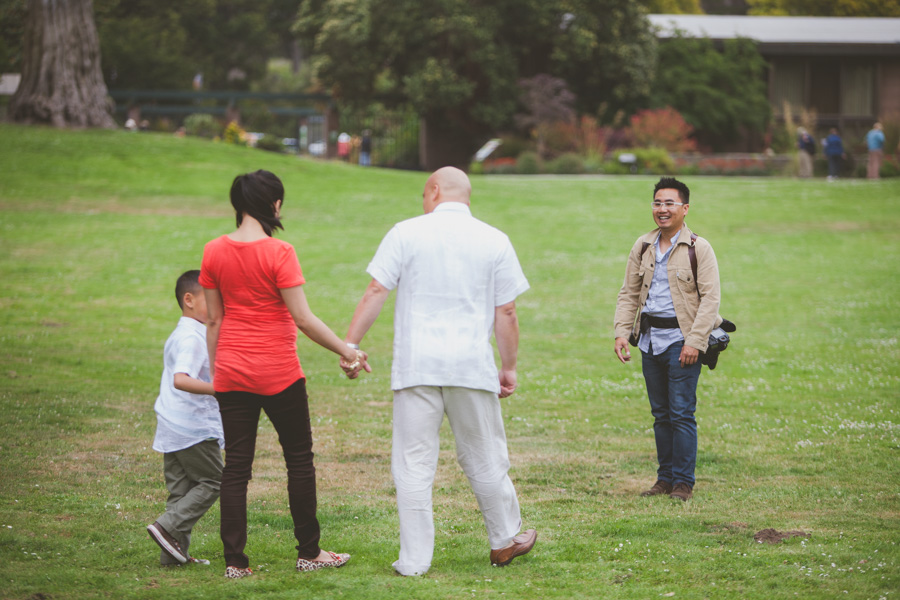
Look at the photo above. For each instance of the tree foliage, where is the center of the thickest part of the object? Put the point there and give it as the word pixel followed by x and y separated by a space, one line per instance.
pixel 12 31
pixel 162 44
pixel 457 62
pixel 718 92
pixel 832 8
pixel 672 7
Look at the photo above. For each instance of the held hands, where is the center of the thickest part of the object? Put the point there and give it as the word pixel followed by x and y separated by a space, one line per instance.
pixel 353 362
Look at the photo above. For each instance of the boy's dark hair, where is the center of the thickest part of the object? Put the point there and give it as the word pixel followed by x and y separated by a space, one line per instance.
pixel 670 183
pixel 255 194
pixel 188 282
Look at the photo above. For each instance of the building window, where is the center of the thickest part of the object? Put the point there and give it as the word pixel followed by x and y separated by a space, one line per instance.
pixel 788 85
pixel 857 90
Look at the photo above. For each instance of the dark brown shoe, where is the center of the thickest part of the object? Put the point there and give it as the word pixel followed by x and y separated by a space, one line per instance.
pixel 521 544
pixel 659 488
pixel 169 545
pixel 682 491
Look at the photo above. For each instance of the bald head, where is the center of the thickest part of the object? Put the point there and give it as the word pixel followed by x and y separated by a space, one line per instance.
pixel 447 184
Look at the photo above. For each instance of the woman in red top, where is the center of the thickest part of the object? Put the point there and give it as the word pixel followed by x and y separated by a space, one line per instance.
pixel 253 291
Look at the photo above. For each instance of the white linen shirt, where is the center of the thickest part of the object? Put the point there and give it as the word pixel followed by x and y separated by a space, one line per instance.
pixel 451 271
pixel 184 419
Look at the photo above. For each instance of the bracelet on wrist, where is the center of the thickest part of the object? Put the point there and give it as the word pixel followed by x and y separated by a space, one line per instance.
pixel 354 346
pixel 356 361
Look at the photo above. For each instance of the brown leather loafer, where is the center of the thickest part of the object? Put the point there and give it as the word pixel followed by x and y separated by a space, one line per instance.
pixel 659 488
pixel 682 491
pixel 521 544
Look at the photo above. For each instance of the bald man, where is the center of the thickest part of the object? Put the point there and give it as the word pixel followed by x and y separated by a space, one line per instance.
pixel 457 281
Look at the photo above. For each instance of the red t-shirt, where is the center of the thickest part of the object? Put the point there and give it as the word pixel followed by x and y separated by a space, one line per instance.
pixel 257 347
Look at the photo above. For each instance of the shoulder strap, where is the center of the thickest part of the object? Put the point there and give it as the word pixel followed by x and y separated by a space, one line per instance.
pixel 644 247
pixel 692 255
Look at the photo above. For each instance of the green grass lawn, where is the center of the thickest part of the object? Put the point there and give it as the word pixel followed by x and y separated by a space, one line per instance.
pixel 799 425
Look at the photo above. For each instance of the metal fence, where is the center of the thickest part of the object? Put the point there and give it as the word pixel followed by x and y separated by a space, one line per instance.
pixel 394 135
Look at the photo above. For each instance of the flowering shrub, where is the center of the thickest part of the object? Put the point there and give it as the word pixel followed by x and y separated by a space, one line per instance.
pixel 558 138
pixel 591 138
pixel 743 164
pixel 662 128
pixel 234 134
pixel 499 166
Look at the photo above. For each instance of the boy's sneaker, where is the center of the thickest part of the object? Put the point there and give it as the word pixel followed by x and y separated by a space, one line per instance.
pixel 169 545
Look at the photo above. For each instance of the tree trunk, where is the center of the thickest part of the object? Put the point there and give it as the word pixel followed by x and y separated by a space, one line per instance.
pixel 62 83
pixel 444 142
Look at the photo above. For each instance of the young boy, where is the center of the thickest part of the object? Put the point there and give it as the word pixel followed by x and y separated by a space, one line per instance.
pixel 188 427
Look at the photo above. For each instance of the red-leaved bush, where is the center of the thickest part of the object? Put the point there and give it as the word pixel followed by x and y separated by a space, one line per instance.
pixel 662 128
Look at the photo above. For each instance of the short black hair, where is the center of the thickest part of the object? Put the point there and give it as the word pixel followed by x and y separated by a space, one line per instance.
pixel 188 282
pixel 670 183
pixel 255 194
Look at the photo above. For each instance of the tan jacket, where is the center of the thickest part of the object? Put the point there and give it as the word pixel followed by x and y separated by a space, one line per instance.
pixel 697 316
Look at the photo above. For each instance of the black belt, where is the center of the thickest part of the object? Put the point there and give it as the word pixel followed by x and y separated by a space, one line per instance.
pixel 662 322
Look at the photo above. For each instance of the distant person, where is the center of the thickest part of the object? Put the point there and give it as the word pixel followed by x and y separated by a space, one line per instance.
pixel 188 428
pixel 669 315
pixel 343 146
pixel 365 149
pixel 834 153
pixel 457 280
pixel 875 144
pixel 256 303
pixel 807 149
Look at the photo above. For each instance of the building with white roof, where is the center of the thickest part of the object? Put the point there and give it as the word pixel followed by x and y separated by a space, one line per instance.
pixel 847 70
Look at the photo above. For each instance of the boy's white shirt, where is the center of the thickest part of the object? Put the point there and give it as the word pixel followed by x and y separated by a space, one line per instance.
pixel 184 419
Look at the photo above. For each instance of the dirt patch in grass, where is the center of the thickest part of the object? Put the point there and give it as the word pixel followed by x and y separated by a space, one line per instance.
pixel 773 536
pixel 632 486
pixel 354 478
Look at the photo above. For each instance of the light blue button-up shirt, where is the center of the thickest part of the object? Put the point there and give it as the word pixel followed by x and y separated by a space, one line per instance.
pixel 659 303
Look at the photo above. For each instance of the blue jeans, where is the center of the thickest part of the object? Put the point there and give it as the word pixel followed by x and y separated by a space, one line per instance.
pixel 673 399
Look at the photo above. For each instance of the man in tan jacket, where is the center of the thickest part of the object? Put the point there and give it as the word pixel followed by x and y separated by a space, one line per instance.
pixel 668 307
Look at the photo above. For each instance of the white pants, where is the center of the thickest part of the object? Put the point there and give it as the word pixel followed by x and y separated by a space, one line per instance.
pixel 477 425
